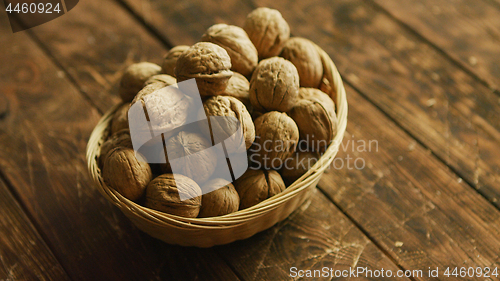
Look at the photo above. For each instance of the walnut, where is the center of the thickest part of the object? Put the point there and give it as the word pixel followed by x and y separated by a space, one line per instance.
pixel 317 122
pixel 170 59
pixel 304 55
pixel 276 137
pixel 235 41
pixel 126 172
pixel 268 31
pixel 191 155
pixel 221 201
pixel 297 165
pixel 255 186
pixel 319 96
pixel 225 128
pixel 120 119
pixel 238 87
pixel 161 78
pixel 134 77
pixel 210 64
pixel 164 194
pixel 118 139
pixel 274 85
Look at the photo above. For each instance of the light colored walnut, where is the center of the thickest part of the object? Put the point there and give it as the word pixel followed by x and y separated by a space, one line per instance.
pixel 126 172
pixel 239 87
pixel 209 64
pixel 274 85
pixel 161 78
pixel 268 31
pixel 221 201
pixel 304 55
pixel 319 96
pixel 255 186
pixel 134 77
pixel 170 59
pixel 235 41
pixel 162 194
pixel 276 137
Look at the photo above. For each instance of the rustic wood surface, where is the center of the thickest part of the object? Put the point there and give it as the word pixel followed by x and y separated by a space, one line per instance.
pixel 427 196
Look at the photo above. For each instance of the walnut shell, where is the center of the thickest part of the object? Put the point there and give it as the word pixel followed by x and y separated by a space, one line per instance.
pixel 226 128
pixel 274 85
pixel 210 64
pixel 319 96
pixel 161 78
pixel 126 172
pixel 238 87
pixel 235 41
pixel 162 194
pixel 120 119
pixel 170 59
pixel 255 186
pixel 268 31
pixel 304 55
pixel 118 139
pixel 134 77
pixel 221 201
pixel 192 156
pixel 276 137
pixel 317 124
pixel 297 165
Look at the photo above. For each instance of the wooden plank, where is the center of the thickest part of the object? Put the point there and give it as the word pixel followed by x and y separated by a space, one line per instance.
pixel 318 236
pixel 23 253
pixel 467 30
pixel 43 139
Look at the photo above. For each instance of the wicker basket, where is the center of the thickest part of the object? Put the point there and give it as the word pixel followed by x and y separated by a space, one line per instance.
pixel 207 232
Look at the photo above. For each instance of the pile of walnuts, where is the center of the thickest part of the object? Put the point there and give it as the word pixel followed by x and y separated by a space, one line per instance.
pixel 257 74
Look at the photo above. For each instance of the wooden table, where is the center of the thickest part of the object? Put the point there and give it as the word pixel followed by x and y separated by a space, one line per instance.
pixel 423 82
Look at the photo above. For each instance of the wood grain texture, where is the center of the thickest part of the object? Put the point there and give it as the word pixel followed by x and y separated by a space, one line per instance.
pixel 467 30
pixel 43 156
pixel 23 253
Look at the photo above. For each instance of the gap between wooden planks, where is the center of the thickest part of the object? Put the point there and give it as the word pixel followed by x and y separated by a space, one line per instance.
pixel 110 247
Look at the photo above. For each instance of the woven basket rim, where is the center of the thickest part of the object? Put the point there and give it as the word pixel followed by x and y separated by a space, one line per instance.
pixel 331 84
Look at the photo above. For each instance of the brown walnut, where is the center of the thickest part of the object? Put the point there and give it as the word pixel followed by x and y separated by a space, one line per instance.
pixel 276 137
pixel 209 64
pixel 120 119
pixel 162 194
pixel 255 186
pixel 222 200
pixel 118 139
pixel 268 31
pixel 126 172
pixel 319 96
pixel 304 55
pixel 161 78
pixel 238 87
pixel 170 59
pixel 274 85
pixel 134 77
pixel 297 165
pixel 235 41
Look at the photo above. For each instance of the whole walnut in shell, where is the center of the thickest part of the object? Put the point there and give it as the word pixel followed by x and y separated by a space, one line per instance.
pixel 165 191
pixel 304 55
pixel 134 77
pixel 276 137
pixel 226 128
pixel 120 119
pixel 209 64
pixel 319 96
pixel 188 154
pixel 170 59
pixel 126 172
pixel 255 186
pixel 222 200
pixel 238 87
pixel 268 31
pixel 161 78
pixel 317 122
pixel 235 41
pixel 274 85
pixel 118 139
pixel 297 165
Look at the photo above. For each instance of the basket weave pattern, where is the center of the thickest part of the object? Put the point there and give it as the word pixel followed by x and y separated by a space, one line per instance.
pixel 207 232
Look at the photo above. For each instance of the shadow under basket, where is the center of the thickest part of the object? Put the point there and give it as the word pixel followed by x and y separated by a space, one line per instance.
pixel 207 232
